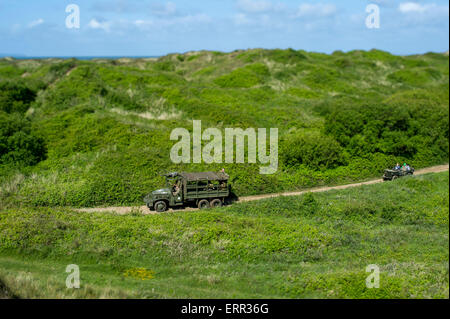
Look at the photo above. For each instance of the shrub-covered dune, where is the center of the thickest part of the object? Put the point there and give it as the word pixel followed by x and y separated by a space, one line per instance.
pixel 89 133
pixel 312 246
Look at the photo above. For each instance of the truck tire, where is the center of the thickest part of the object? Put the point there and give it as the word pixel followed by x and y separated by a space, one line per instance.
pixel 216 203
pixel 394 178
pixel 152 208
pixel 160 206
pixel 203 204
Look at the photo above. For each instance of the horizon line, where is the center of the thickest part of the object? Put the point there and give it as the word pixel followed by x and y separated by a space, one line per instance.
pixel 19 56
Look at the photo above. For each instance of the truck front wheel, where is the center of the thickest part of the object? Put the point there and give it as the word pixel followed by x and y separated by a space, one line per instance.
pixel 161 206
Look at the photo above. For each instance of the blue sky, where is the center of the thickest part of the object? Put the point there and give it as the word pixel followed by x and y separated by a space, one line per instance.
pixel 149 28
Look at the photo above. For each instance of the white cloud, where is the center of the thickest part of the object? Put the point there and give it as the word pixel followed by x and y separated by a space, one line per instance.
pixel 266 14
pixel 257 22
pixel 36 23
pixel 187 20
pixel 96 25
pixel 143 23
pixel 119 6
pixel 383 3
pixel 407 7
pixel 241 19
pixel 196 18
pixel 255 6
pixel 165 9
pixel 417 8
pixel 316 10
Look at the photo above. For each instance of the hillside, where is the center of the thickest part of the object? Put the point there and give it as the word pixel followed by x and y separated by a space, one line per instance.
pixel 91 133
pixel 310 246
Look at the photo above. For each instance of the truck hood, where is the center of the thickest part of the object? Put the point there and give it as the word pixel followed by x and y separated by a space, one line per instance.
pixel 162 191
pixel 150 197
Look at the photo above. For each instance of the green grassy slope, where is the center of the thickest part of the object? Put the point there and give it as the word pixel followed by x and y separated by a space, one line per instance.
pixel 101 128
pixel 316 245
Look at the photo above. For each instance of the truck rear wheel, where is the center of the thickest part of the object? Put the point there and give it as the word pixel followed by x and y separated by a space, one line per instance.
pixel 161 206
pixel 216 203
pixel 203 204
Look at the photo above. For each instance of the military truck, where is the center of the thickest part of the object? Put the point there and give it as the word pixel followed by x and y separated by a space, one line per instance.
pixel 393 174
pixel 207 189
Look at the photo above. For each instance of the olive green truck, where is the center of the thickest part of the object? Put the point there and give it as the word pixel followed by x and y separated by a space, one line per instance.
pixel 206 189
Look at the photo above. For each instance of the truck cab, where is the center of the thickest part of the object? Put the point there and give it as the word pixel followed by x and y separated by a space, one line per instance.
pixel 206 189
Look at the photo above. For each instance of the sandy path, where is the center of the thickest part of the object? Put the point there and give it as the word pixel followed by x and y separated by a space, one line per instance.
pixel 145 210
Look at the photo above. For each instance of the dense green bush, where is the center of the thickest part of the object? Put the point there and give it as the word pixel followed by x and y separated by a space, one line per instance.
pixel 165 66
pixel 61 69
pixel 15 97
pixel 19 144
pixel 107 124
pixel 9 71
pixel 416 76
pixel 286 56
pixel 398 130
pixel 320 77
pixel 303 93
pixel 245 77
pixel 313 150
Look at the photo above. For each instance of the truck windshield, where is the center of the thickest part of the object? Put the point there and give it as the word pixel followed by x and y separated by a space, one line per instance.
pixel 170 181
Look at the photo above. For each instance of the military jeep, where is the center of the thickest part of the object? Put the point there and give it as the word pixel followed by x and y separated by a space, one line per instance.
pixel 207 189
pixel 393 174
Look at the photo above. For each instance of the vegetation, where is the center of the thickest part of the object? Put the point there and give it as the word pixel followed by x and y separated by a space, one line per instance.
pixel 70 125
pixel 18 143
pixel 93 133
pixel 311 246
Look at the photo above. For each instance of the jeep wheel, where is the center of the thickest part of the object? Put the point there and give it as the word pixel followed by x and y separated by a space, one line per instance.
pixel 394 178
pixel 161 206
pixel 152 208
pixel 216 203
pixel 203 204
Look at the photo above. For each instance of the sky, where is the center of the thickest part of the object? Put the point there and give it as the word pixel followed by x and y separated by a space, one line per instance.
pixel 156 27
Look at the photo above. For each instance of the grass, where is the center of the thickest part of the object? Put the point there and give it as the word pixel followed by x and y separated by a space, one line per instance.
pixel 311 246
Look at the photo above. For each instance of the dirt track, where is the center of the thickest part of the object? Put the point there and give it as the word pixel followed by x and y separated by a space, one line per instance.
pixel 145 210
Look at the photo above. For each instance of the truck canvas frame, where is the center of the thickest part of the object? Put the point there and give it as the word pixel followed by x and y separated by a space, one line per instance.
pixel 206 189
